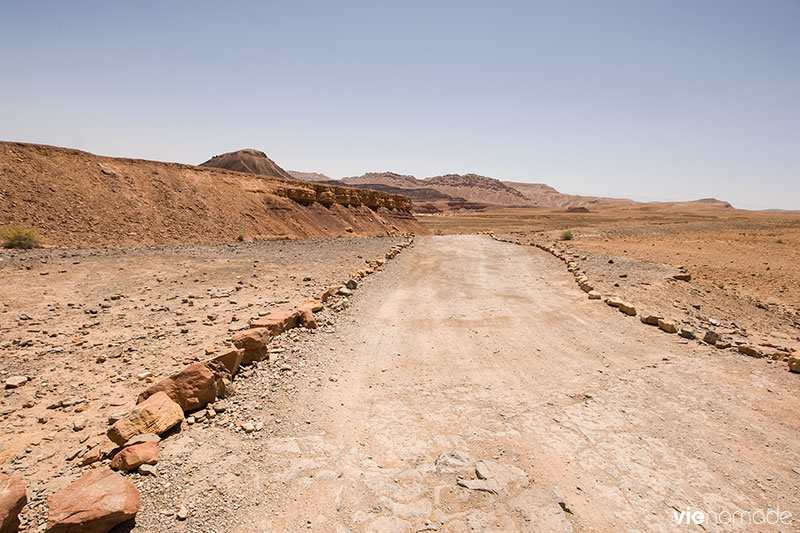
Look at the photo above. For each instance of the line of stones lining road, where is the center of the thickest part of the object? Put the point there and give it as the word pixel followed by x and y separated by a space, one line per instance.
pixel 709 337
pixel 101 499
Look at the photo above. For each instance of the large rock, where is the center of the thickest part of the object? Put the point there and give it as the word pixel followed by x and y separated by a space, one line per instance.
pixel 324 294
pixel 307 319
pixel 628 309
pixel 132 457
pixel 794 363
pixel 667 325
pixel 96 502
pixel 711 337
pixel 12 499
pixel 157 414
pixel 650 320
pixel 277 322
pixel 191 388
pixel 251 339
pixel 752 351
pixel 231 360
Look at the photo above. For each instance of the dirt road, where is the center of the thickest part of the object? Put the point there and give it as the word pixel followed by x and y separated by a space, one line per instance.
pixel 468 359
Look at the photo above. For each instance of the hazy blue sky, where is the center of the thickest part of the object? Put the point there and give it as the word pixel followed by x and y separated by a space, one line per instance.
pixel 652 100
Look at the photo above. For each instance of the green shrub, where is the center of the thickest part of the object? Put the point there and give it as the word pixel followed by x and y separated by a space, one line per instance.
pixel 566 235
pixel 16 236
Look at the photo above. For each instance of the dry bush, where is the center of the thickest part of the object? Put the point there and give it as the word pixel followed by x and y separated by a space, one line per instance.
pixel 566 235
pixel 20 237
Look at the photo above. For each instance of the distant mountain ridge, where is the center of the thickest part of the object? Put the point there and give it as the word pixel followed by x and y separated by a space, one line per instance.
pixel 247 160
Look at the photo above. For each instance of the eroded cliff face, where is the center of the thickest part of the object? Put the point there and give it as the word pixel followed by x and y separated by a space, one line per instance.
pixel 77 198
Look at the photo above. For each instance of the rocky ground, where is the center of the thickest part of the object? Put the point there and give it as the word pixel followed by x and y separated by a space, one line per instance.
pixel 470 385
pixel 85 330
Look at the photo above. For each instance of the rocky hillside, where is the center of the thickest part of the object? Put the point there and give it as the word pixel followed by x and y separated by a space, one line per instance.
pixel 247 160
pixel 77 198
pixel 541 195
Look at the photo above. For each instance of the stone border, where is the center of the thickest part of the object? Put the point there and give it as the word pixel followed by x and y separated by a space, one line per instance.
pixel 710 337
pixel 132 439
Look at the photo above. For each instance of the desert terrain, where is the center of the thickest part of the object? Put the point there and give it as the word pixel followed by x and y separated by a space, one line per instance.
pixel 477 377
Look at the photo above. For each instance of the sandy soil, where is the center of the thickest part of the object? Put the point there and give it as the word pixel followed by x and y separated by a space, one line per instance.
pixel 471 358
pixel 91 328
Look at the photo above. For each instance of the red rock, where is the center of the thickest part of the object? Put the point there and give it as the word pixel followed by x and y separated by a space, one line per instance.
pixel 254 338
pixel 132 457
pixel 315 306
pixel 12 499
pixel 157 414
pixel 307 319
pixel 248 356
pixel 231 360
pixel 324 294
pixel 96 502
pixel 191 388
pixel 277 322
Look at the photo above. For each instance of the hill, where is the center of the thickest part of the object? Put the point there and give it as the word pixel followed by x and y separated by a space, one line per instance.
pixel 247 160
pixel 78 198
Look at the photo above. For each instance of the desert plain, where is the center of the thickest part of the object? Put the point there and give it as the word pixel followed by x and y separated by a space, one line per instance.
pixel 583 367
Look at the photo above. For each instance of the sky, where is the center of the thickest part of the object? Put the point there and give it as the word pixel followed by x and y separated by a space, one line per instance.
pixel 669 100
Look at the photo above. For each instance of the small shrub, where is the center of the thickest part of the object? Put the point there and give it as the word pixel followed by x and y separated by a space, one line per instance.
pixel 566 235
pixel 15 236
pixel 241 237
pixel 439 232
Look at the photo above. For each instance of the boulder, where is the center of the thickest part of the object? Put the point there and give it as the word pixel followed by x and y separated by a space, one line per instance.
pixel 231 360
pixel 277 322
pixel 613 301
pixel 687 333
pixel 191 388
pixel 352 284
pixel 594 295
pixel 307 319
pixel 650 320
pixel 249 356
pixel 794 363
pixel 251 339
pixel 96 502
pixel 13 497
pixel 315 306
pixel 157 414
pixel 132 457
pixel 711 337
pixel 627 308
pixel 667 325
pixel 752 351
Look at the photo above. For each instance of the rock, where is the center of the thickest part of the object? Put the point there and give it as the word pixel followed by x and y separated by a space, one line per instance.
pixel 277 322
pixel 13 497
pixel 682 277
pixel 315 306
pixel 667 325
pixel 183 513
pixel 455 462
pixel 248 427
pixel 345 291
pixel 351 284
pixel 99 452
pixel 627 308
pixel 251 339
pixel 231 360
pixel 191 388
pixel 752 351
pixel 79 424
pixel 307 319
pixel 156 414
pixel 651 320
pixel 794 363
pixel 147 470
pixel 594 295
pixel 132 457
pixel 687 333
pixel 505 476
pixel 613 301
pixel 324 294
pixel 96 502
pixel 711 337
pixel 722 345
pixel 16 381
